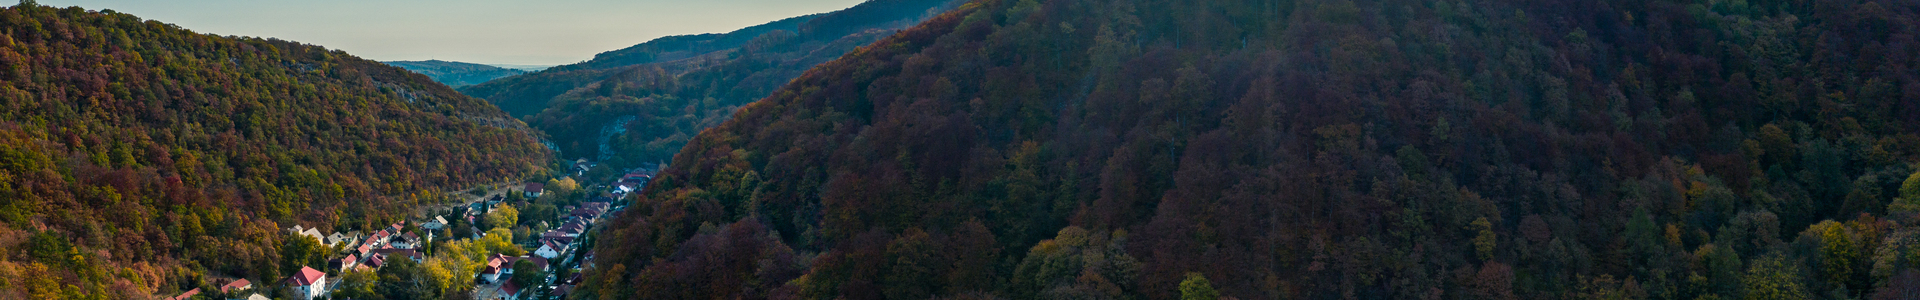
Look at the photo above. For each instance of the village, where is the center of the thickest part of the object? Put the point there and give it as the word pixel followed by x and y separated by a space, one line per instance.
pixel 541 261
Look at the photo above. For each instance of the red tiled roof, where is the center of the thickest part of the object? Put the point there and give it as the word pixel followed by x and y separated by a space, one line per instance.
pixel 237 284
pixel 307 276
pixel 188 294
pixel 510 288
pixel 376 260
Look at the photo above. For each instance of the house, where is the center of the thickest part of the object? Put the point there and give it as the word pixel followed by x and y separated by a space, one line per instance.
pixel 256 297
pixel 405 241
pixel 562 291
pixel 390 253
pixel 580 167
pixel 379 238
pixel 570 230
pixel 337 239
pixel 187 295
pixel 510 290
pixel 626 187
pixel 309 232
pixel 308 283
pixel 534 190
pixel 641 175
pixel 584 213
pixel 344 263
pixel 550 249
pixel 477 208
pixel 496 265
pixel 375 261
pixel 365 249
pixel 236 286
pixel 437 223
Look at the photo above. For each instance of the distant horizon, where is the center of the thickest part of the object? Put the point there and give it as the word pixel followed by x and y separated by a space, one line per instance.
pixel 488 32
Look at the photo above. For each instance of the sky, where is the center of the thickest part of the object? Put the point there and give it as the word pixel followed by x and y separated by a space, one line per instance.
pixel 522 32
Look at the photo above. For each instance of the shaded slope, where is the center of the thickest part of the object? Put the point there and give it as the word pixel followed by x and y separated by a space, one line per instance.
pixel 529 94
pixel 682 91
pixel 1311 149
pixel 139 158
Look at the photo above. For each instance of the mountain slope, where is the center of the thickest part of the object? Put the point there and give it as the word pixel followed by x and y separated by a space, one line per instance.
pixel 138 158
pixel 529 94
pixel 1311 149
pixel 645 112
pixel 456 74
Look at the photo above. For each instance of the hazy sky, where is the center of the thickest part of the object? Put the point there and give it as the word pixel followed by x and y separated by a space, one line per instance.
pixel 538 32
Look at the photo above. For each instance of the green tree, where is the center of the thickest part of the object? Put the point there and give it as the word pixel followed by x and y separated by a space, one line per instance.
pixel 356 284
pixel 1484 240
pixel 301 251
pixel 502 218
pixel 1773 278
pixel 401 278
pixel 1909 200
pixel 525 273
pixel 1196 287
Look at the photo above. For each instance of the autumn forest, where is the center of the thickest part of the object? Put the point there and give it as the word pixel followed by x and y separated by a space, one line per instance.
pixel 1003 149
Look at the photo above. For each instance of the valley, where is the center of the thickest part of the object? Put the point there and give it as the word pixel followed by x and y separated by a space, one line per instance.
pixel 988 149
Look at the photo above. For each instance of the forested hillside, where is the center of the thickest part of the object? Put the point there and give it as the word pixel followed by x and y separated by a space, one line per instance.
pixel 1312 149
pixel 456 74
pixel 140 159
pixel 529 94
pixel 643 103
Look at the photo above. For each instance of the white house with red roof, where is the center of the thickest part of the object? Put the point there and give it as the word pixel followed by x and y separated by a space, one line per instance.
pixel 308 283
pixel 550 249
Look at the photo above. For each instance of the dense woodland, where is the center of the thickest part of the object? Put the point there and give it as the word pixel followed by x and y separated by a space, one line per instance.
pixel 456 74
pixel 674 87
pixel 529 94
pixel 1312 149
pixel 138 158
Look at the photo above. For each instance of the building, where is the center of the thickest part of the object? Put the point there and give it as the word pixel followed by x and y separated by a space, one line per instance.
pixel 405 241
pixel 496 265
pixel 309 232
pixel 510 290
pixel 187 295
pixel 337 239
pixel 391 253
pixel 344 263
pixel 437 223
pixel 236 286
pixel 550 249
pixel 308 283
pixel 534 190
pixel 375 261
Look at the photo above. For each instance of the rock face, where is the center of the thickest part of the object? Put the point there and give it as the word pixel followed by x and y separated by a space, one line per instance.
pixel 1302 149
